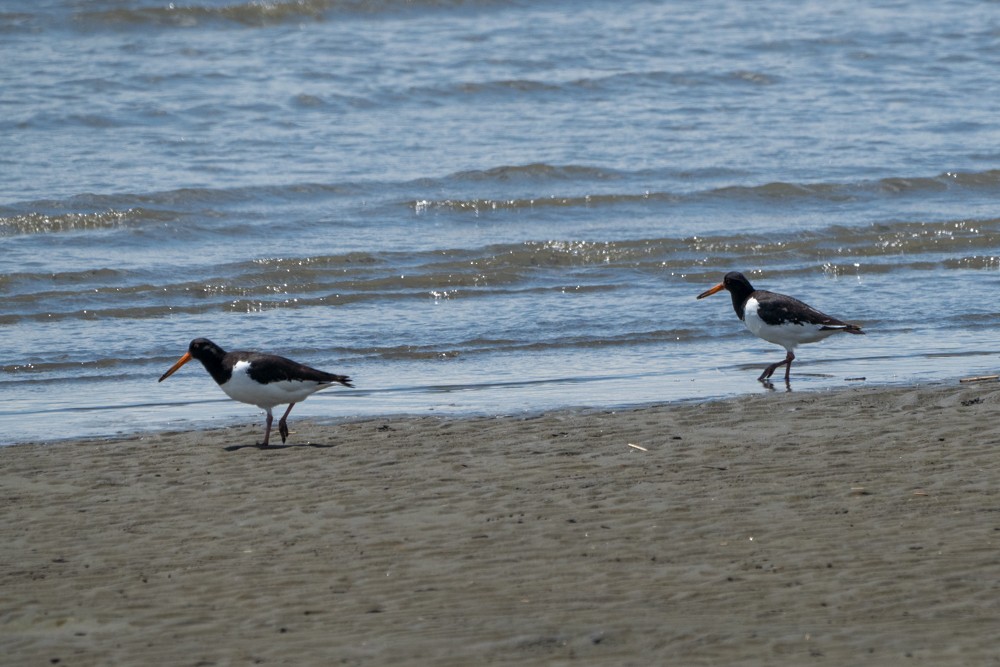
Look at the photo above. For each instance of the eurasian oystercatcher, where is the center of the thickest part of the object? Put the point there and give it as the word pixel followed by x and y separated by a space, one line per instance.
pixel 264 380
pixel 778 318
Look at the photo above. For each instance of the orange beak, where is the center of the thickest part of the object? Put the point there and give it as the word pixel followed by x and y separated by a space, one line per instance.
pixel 180 362
pixel 708 292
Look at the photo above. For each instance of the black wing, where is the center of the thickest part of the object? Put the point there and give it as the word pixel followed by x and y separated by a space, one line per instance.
pixel 265 368
pixel 782 309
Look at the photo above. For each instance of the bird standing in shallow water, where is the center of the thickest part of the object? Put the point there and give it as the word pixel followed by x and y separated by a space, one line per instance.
pixel 778 319
pixel 264 380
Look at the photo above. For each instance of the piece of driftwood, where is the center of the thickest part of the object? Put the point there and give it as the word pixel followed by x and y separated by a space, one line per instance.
pixel 981 378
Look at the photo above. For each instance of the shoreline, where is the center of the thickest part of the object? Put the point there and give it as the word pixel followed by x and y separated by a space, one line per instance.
pixel 856 525
pixel 236 415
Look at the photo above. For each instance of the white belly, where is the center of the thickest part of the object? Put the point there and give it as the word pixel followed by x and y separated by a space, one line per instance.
pixel 241 387
pixel 787 335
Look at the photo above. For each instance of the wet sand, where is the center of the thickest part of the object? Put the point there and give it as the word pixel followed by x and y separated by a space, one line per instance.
pixel 853 527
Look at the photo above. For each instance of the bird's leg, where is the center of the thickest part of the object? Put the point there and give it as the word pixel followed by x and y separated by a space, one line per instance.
pixel 788 365
pixel 769 371
pixel 267 429
pixel 283 425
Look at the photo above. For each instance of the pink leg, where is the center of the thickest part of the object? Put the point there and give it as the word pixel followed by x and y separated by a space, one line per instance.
pixel 267 430
pixel 786 362
pixel 283 424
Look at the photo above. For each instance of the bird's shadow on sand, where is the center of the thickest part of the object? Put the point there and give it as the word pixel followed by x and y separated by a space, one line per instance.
pixel 269 448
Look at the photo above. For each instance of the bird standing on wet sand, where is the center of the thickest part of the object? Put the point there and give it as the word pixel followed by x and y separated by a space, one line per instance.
pixel 264 380
pixel 778 319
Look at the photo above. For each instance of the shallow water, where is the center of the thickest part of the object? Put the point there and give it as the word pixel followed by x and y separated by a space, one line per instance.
pixel 483 207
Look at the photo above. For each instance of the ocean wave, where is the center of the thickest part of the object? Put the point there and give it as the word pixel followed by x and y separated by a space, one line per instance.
pixel 585 186
pixel 44 223
pixel 482 205
pixel 878 239
pixel 538 171
pixel 490 271
pixel 261 14
pixel 190 16
pixel 625 83
pixel 94 211
pixel 775 191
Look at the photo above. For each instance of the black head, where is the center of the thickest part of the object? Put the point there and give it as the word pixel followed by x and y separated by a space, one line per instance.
pixel 737 283
pixel 738 287
pixel 208 353
pixel 202 349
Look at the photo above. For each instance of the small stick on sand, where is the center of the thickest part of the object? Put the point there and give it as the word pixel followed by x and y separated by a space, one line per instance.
pixel 639 447
pixel 981 378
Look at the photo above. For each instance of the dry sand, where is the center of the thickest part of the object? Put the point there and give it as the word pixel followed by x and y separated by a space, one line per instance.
pixel 855 527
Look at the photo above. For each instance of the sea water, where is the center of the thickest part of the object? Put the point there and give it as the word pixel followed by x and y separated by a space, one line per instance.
pixel 484 207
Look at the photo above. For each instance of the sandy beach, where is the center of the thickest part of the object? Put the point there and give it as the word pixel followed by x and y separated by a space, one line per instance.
pixel 851 527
